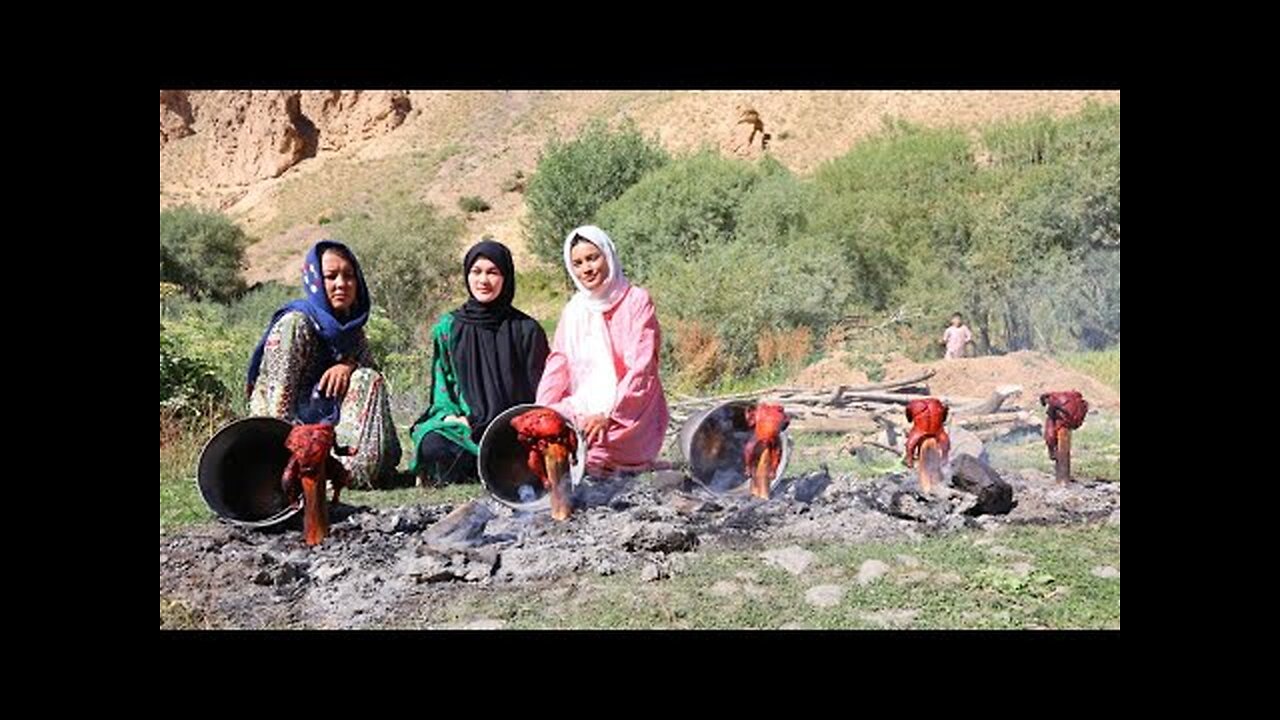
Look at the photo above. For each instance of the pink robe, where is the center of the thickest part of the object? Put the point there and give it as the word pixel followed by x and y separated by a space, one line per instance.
pixel 639 417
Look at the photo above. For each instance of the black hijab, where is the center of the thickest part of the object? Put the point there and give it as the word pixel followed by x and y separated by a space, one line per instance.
pixel 498 351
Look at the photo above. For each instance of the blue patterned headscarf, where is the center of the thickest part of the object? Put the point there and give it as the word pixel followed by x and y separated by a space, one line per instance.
pixel 339 335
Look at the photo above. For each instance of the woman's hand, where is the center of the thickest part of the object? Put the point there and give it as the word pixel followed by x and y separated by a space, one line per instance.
pixel 457 419
pixel 336 380
pixel 594 427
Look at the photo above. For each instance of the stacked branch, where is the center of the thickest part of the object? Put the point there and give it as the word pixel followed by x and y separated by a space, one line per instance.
pixel 871 412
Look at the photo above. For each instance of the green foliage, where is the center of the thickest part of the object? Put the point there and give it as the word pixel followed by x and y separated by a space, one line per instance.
pixel 574 179
pixel 907 224
pixel 188 385
pixel 744 292
pixel 678 210
pixel 203 252
pixel 221 337
pixel 1102 365
pixel 472 204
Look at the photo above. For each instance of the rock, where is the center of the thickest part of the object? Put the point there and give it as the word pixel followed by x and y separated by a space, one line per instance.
pixel 652 572
pixel 660 537
pixel 1021 569
pixel 668 479
pixel 462 528
pixel 793 559
pixel 430 568
pixel 890 618
pixel 913 576
pixel 971 475
pixel 965 442
pixel 811 486
pixel 824 596
pixel 870 571
pixel 328 573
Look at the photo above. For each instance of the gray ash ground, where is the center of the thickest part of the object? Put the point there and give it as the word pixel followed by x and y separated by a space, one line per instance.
pixel 377 562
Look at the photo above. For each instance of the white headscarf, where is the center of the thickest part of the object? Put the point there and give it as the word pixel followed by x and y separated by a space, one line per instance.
pixel 593 380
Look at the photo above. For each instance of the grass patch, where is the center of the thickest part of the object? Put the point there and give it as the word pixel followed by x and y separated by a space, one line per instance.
pixel 1040 578
pixel 814 450
pixel 1101 365
pixel 1095 451
pixel 180 444
pixel 347 186
pixel 176 615
pixel 472 204
pixel 451 494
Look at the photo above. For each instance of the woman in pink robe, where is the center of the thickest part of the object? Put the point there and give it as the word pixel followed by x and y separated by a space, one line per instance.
pixel 602 372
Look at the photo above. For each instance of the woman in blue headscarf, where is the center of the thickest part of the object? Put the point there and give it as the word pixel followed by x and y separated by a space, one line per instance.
pixel 313 365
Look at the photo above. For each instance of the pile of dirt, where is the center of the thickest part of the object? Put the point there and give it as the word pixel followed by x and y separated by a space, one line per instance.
pixel 978 377
pixel 831 371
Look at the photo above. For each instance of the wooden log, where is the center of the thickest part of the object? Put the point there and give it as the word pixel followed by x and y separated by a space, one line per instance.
pixel 831 424
pixel 799 395
pixel 991 404
pixel 974 422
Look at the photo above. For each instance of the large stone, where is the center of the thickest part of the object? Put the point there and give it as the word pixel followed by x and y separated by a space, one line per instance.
pixel 793 559
pixel 965 442
pixel 971 475
pixel 660 537
pixel 462 528
pixel 824 596
pixel 870 571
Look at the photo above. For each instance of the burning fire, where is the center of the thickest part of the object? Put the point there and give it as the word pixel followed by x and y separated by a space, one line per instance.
pixel 763 451
pixel 311 465
pixel 927 417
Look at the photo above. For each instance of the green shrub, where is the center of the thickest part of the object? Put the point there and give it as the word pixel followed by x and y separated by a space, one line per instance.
pixel 203 252
pixel 472 203
pixel 574 179
pixel 677 210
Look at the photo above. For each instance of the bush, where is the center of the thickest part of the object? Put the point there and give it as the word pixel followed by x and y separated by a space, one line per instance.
pixel 776 210
pixel 740 294
pixel 1038 278
pixel 472 203
pixel 896 200
pixel 678 210
pixel 221 337
pixel 188 386
pixel 203 252
pixel 574 179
